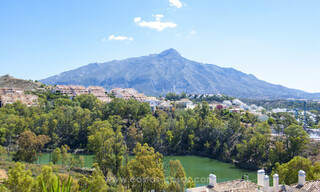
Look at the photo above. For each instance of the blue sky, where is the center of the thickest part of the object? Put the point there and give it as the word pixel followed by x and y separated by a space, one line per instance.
pixel 277 41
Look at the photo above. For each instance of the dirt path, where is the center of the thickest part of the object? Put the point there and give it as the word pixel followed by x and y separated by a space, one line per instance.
pixel 3 174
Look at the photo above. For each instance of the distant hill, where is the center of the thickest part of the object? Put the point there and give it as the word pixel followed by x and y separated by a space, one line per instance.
pixel 8 81
pixel 170 72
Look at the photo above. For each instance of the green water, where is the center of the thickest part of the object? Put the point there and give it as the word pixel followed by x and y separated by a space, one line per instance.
pixel 199 168
pixel 196 167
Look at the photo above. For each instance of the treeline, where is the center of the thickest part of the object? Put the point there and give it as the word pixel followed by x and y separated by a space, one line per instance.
pixel 66 121
pixel 145 172
pixel 198 98
pixel 298 106
pixel 214 98
pixel 174 97
pixel 288 104
pixel 113 131
pixel 219 134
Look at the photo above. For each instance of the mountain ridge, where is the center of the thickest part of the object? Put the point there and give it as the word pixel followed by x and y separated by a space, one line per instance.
pixel 168 71
pixel 7 81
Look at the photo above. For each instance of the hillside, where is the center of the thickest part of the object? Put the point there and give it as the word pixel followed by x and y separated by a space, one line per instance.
pixel 170 72
pixel 8 81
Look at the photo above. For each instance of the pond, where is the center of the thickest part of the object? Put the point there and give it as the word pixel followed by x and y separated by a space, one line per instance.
pixel 196 167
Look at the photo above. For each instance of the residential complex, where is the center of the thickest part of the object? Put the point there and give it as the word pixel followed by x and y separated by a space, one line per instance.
pixel 158 104
pixel 11 91
pixel 70 90
pixel 100 93
pixel 12 95
pixel 128 94
pixel 75 90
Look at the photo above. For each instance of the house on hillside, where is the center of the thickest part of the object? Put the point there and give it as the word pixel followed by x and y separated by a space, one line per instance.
pixel 128 94
pixel 70 90
pixel 29 100
pixel 11 91
pixel 153 102
pixel 96 91
pixel 100 93
pixel 185 103
pixel 12 95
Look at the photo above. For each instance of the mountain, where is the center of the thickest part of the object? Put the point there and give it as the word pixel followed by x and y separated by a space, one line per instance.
pixel 11 82
pixel 170 72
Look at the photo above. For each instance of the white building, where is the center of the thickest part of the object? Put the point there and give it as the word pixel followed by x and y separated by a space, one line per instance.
pixel 263 185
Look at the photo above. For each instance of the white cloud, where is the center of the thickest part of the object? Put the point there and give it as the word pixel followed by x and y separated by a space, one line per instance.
pixel 193 32
pixel 118 38
pixel 103 40
pixel 175 3
pixel 157 24
pixel 158 17
pixel 137 19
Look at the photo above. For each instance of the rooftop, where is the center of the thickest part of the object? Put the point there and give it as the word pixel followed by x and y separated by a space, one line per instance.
pixel 235 186
pixel 310 186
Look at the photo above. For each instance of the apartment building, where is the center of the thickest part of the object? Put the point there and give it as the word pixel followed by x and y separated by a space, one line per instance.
pixel 74 90
pixel 70 90
pixel 11 91
pixel 128 94
pixel 100 93
pixel 29 100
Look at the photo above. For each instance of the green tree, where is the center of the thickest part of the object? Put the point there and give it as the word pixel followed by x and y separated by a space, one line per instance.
pixel 204 109
pixel 120 188
pixel 3 153
pixel 288 172
pixel 298 140
pixel 263 128
pixel 183 95
pixel 277 154
pixel 107 145
pixel 47 176
pixel 56 155
pixel 146 170
pixel 115 121
pixel 3 131
pixel 97 181
pixel 19 180
pixel 190 183
pixel 172 96
pixel 87 101
pixel 81 161
pixel 65 156
pixel 144 110
pixel 115 107
pixel 178 178
pixel 73 161
pixel 270 121
pixel 253 153
pixel 151 130
pixel 30 146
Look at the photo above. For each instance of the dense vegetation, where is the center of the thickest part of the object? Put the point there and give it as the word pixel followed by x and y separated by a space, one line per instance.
pixel 288 104
pixel 114 130
pixel 288 172
pixel 209 99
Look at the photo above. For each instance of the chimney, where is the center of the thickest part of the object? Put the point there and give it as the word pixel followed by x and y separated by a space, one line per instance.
pixel 302 177
pixel 276 182
pixel 266 183
pixel 212 180
pixel 260 177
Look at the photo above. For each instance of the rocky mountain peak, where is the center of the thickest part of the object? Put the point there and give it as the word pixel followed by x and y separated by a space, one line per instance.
pixel 170 53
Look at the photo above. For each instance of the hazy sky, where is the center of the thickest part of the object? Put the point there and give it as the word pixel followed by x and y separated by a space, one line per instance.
pixel 276 40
